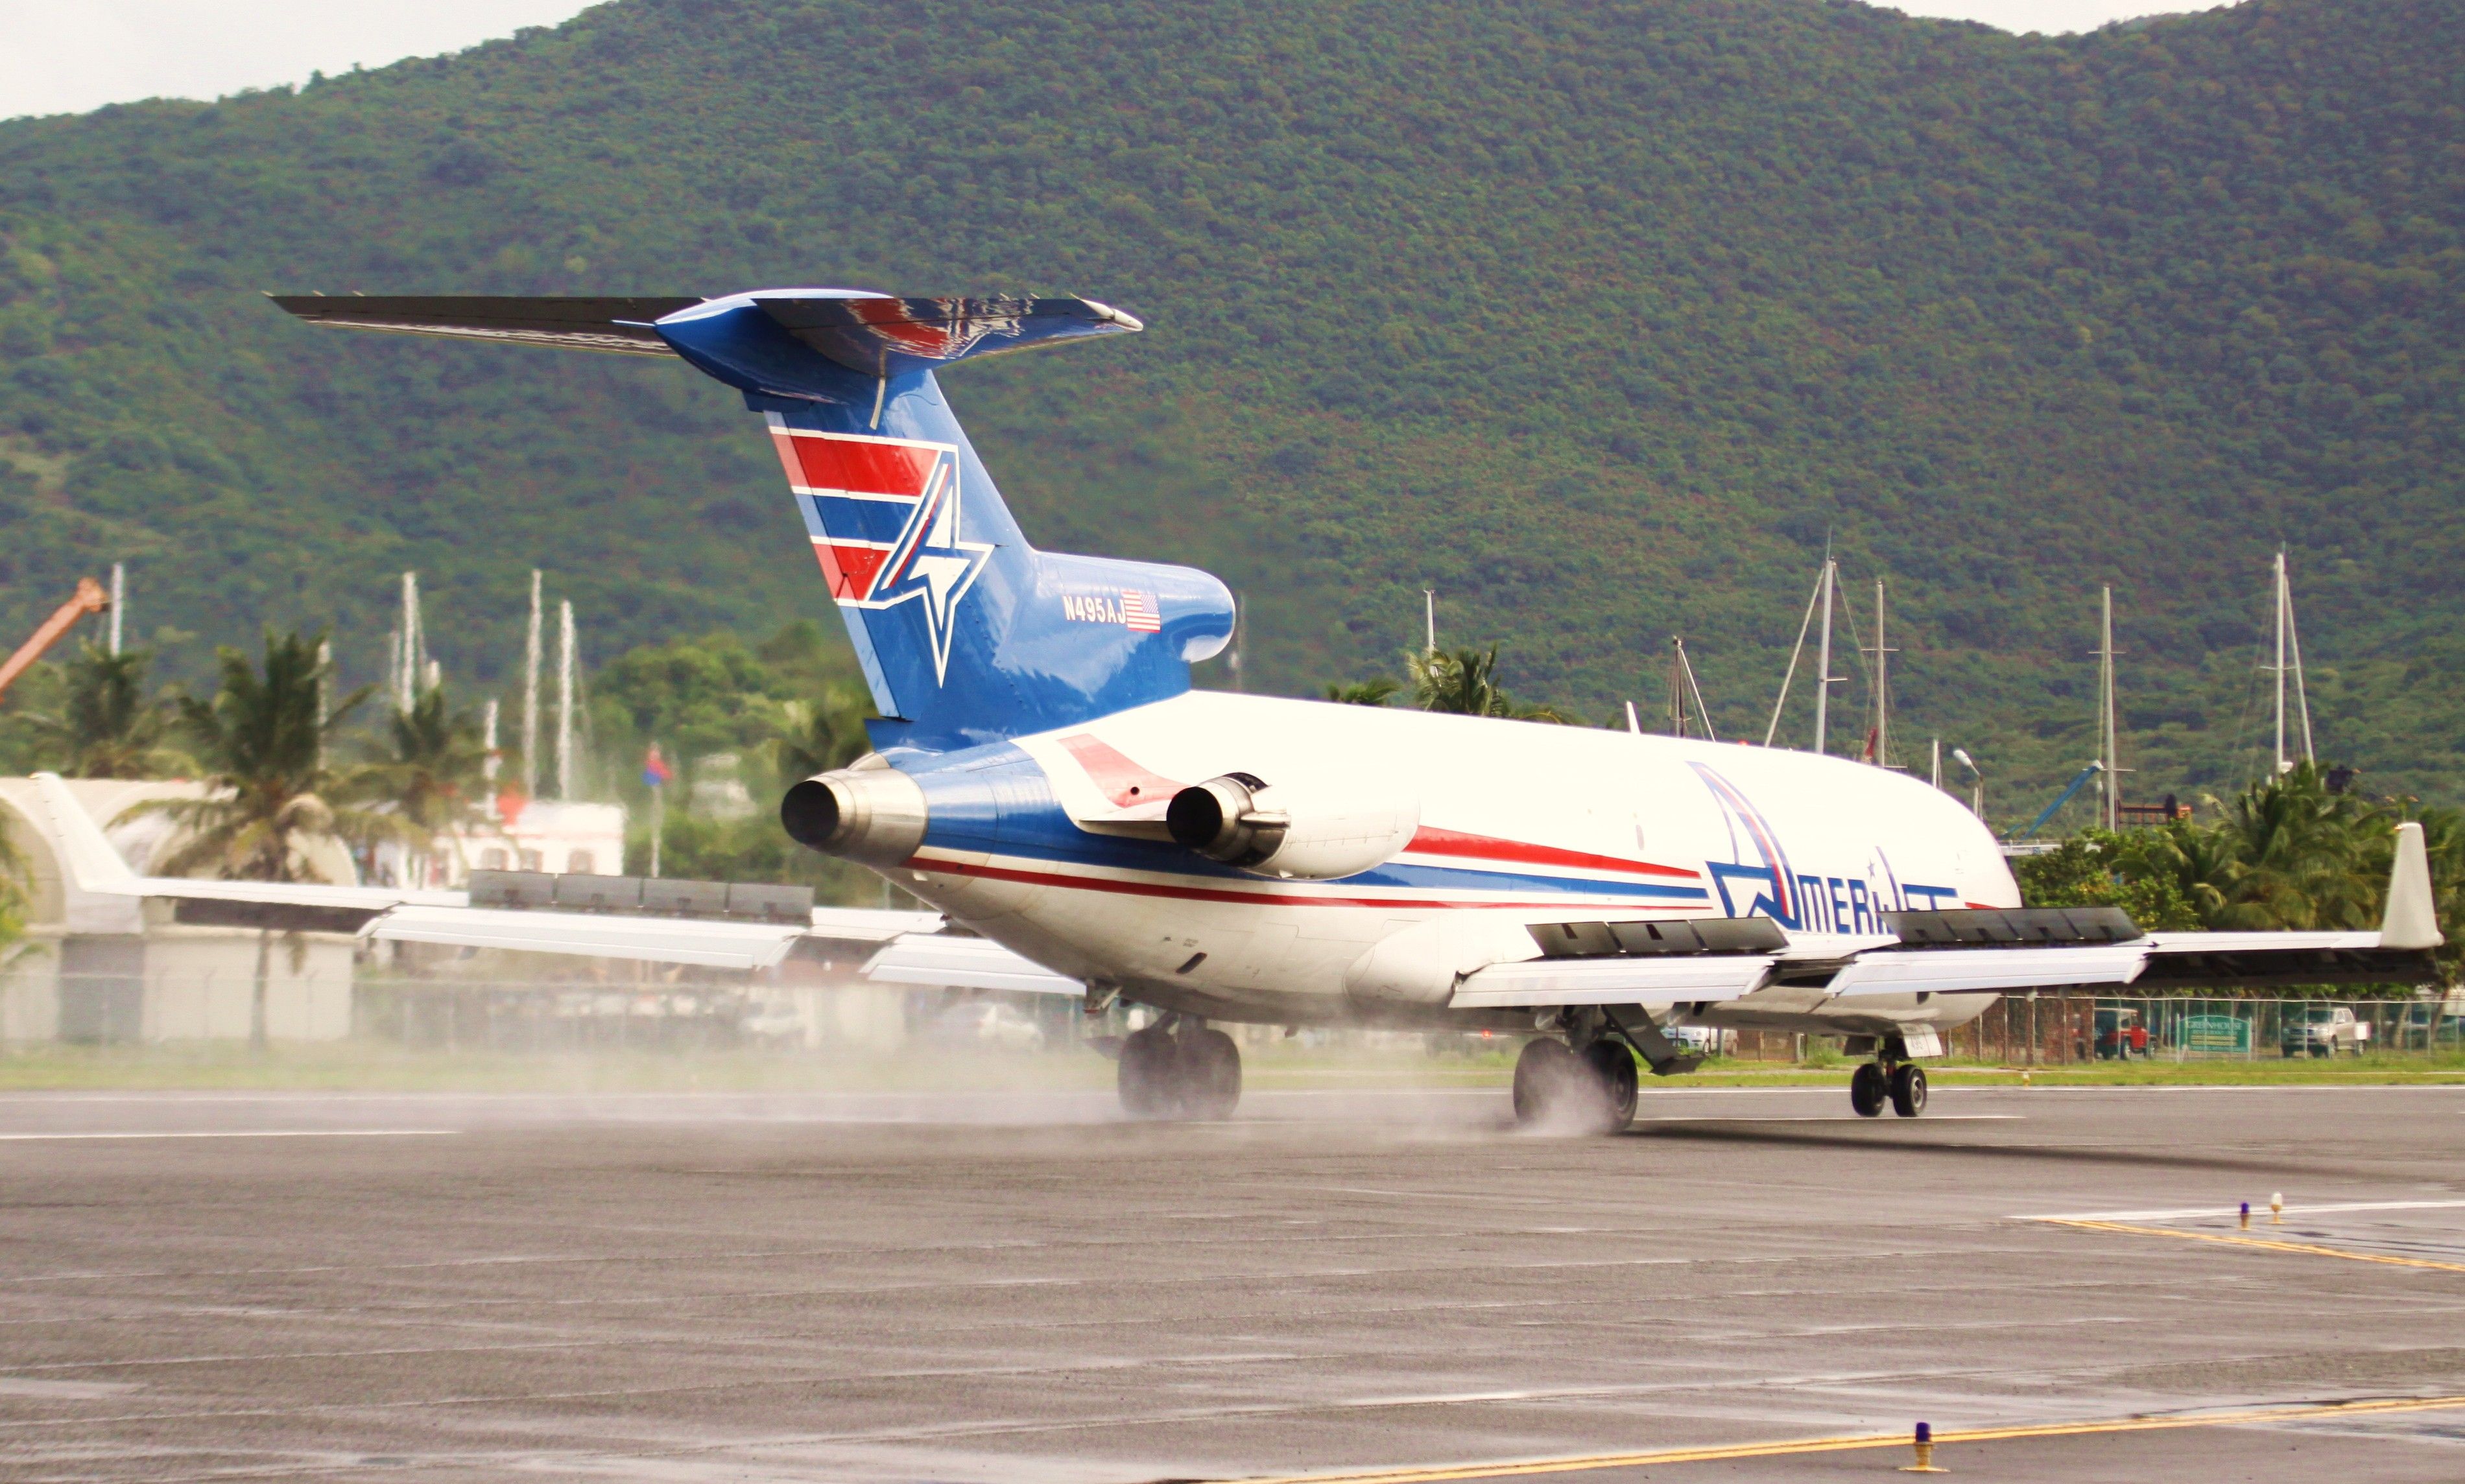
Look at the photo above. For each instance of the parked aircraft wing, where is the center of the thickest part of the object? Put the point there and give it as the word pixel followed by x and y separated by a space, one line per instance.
pixel 396 913
pixel 1654 982
pixel 708 943
pixel 943 962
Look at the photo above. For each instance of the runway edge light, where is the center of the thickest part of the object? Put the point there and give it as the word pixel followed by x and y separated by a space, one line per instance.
pixel 1923 1446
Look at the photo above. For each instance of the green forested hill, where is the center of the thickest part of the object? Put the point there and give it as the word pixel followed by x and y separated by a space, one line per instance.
pixel 1595 317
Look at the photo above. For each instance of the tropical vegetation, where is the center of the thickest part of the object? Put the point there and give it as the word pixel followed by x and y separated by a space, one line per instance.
pixel 2288 852
pixel 1599 319
pixel 107 726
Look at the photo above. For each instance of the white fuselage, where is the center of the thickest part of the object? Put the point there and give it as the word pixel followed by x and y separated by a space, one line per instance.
pixel 1036 845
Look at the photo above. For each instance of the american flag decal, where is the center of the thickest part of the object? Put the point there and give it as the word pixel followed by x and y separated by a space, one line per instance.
pixel 1139 612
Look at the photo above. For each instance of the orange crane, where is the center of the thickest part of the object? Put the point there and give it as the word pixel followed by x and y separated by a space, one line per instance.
pixel 89 598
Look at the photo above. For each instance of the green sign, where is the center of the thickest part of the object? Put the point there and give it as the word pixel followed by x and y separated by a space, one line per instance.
pixel 2216 1034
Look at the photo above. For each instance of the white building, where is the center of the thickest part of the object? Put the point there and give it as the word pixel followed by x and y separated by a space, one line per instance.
pixel 116 969
pixel 544 835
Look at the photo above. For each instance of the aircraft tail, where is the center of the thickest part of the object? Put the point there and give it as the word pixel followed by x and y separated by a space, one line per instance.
pixel 966 632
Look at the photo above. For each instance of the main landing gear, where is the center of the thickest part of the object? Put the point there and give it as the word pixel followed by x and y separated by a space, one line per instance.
pixel 1561 1089
pixel 1180 1067
pixel 1904 1084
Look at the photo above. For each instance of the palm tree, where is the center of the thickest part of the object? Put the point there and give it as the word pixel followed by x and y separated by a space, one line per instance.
pixel 264 740
pixel 809 736
pixel 108 728
pixel 1465 683
pixel 1365 693
pixel 2300 856
pixel 430 774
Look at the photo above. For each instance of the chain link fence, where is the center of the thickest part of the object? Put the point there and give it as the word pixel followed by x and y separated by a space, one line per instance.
pixel 2064 1030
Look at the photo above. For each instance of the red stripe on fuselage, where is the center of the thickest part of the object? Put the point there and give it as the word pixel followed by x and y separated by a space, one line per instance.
pixel 1481 847
pixel 1113 887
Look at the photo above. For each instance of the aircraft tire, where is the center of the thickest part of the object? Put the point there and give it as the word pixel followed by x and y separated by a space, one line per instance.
pixel 1612 1072
pixel 1210 1075
pixel 1868 1088
pixel 1147 1074
pixel 1545 1077
pixel 1908 1090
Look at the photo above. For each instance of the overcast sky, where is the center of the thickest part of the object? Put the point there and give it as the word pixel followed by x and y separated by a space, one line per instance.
pixel 69 56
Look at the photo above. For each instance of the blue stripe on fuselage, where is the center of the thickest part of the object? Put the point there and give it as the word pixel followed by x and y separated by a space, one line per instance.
pixel 997 800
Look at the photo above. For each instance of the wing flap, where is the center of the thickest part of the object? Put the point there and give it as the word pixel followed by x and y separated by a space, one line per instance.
pixel 1657 983
pixel 942 962
pixel 1987 970
pixel 700 941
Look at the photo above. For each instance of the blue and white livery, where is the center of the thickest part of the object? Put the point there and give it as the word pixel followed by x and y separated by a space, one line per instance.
pixel 1044 774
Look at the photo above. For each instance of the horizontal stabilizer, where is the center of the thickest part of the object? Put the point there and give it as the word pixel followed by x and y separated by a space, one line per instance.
pixel 622 326
pixel 890 337
pixel 873 335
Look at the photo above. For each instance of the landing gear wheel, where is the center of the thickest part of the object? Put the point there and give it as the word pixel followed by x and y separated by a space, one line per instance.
pixel 1210 1074
pixel 1868 1087
pixel 1147 1076
pixel 1612 1069
pixel 1545 1075
pixel 1908 1090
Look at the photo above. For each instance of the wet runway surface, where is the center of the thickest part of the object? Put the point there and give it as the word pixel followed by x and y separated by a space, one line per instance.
pixel 1017 1287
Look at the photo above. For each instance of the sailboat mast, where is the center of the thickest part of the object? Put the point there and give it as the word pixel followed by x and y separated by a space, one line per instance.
pixel 2278 576
pixel 1677 687
pixel 1823 658
pixel 1796 652
pixel 531 696
pixel 1883 685
pixel 2302 692
pixel 2109 783
pixel 564 701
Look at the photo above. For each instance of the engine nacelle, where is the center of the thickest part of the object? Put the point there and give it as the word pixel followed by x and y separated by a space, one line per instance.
pixel 870 812
pixel 1316 833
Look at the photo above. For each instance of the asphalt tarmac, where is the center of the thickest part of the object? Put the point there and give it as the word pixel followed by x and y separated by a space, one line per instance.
pixel 1017 1287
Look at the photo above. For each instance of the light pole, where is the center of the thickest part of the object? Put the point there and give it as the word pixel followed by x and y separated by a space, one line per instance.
pixel 1977 788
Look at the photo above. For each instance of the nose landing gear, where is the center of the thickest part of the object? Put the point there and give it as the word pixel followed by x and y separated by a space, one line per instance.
pixel 1180 1067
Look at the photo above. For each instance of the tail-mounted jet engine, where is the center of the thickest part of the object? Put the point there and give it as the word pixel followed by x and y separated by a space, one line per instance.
pixel 1314 833
pixel 873 814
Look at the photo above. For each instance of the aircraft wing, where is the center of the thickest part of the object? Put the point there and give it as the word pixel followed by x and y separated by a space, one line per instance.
pixel 1976 951
pixel 396 914
pixel 946 961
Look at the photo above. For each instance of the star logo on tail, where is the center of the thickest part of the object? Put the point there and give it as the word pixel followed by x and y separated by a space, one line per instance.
pixel 929 564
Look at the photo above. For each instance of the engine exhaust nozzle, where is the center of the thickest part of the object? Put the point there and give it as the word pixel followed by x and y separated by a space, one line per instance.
pixel 873 814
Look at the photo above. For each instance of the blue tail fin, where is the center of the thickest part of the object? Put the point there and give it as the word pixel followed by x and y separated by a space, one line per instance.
pixel 966 632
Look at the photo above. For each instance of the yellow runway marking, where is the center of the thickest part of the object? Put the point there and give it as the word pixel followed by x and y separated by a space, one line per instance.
pixel 2266 1244
pixel 1588 1463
